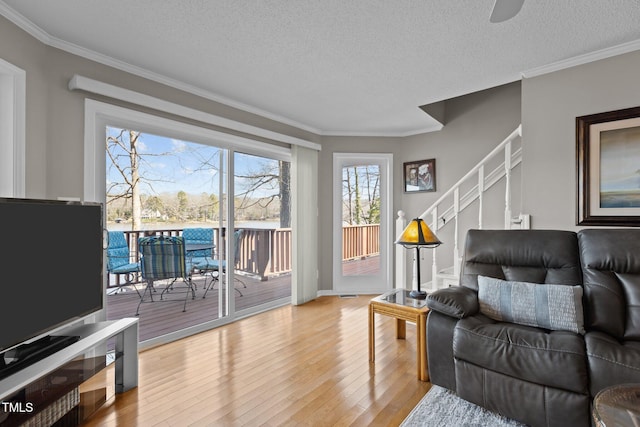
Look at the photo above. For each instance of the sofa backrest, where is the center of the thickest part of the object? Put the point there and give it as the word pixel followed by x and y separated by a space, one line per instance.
pixel 611 277
pixel 536 256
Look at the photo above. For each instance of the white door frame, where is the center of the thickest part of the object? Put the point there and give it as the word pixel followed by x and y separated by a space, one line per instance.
pixel 99 115
pixel 364 284
pixel 12 130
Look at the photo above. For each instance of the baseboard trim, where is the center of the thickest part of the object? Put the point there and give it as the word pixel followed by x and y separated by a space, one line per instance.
pixel 332 293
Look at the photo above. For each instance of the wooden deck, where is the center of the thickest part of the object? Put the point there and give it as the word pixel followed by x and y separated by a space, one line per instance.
pixel 163 317
pixel 362 267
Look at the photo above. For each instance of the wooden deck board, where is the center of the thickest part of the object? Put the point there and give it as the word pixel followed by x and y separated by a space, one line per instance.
pixel 162 317
pixel 362 267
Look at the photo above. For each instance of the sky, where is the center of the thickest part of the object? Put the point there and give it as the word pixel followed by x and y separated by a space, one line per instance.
pixel 620 159
pixel 174 165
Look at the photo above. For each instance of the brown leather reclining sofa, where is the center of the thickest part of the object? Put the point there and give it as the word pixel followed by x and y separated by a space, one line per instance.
pixel 539 375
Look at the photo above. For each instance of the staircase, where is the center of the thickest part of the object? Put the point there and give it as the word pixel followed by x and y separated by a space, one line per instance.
pixel 495 167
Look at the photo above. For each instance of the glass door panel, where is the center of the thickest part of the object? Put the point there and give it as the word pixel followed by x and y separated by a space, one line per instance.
pixel 262 234
pixel 156 185
pixel 361 218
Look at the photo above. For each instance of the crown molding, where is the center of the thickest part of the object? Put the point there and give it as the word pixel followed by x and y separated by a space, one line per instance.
pixel 583 59
pixel 80 51
pixel 426 129
pixel 176 84
pixel 22 22
pixel 74 49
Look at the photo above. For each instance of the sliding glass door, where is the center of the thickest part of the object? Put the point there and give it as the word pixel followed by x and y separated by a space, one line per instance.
pixel 160 177
pixel 161 186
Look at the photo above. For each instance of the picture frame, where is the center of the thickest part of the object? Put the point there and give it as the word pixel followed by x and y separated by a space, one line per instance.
pixel 419 176
pixel 608 168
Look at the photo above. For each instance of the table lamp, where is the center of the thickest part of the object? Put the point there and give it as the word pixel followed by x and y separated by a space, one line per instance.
pixel 417 234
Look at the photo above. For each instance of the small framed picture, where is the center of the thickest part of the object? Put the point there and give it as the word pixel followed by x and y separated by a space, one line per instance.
pixel 420 176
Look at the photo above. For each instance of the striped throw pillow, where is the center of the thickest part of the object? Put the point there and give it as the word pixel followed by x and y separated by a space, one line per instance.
pixel 554 307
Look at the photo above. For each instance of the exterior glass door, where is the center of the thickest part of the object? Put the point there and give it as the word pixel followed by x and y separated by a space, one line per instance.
pixel 361 222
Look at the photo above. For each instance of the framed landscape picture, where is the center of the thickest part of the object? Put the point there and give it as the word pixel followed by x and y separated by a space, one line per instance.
pixel 420 176
pixel 608 168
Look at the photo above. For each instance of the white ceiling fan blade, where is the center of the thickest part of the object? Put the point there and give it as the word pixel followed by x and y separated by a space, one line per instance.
pixel 505 9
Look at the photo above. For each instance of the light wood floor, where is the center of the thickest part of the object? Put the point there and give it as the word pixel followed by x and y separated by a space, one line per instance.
pixel 297 365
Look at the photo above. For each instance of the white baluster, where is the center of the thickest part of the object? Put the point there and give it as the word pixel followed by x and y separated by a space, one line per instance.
pixel 507 196
pixel 480 194
pixel 401 254
pixel 456 212
pixel 434 265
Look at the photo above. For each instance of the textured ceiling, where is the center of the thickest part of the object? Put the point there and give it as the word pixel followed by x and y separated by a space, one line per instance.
pixel 330 66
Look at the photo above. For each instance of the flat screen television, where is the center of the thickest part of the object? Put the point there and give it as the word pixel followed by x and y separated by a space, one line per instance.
pixel 50 266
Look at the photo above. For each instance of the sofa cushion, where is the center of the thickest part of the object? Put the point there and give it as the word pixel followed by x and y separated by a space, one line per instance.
pixel 555 307
pixel 535 256
pixel 611 362
pixel 533 404
pixel 551 358
pixel 611 280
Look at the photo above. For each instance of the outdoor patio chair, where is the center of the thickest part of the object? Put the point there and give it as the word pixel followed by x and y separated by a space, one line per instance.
pixel 214 266
pixel 199 236
pixel 119 259
pixel 163 258
pixel 199 258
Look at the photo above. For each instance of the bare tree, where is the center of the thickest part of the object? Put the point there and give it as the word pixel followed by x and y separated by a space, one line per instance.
pixel 122 150
pixel 124 156
pixel 266 183
pixel 361 194
pixel 348 200
pixel 373 194
pixel 256 189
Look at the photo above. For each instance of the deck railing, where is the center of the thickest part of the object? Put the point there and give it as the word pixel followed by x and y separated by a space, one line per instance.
pixel 264 252
pixel 360 241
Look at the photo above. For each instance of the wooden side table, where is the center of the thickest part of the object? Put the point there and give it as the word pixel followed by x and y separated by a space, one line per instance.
pixel 398 305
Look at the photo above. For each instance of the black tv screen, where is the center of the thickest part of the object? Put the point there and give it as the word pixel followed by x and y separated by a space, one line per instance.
pixel 50 265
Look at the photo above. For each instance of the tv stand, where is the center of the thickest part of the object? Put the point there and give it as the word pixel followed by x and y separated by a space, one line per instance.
pixel 87 338
pixel 26 354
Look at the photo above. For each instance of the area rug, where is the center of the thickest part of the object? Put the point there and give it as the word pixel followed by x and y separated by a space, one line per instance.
pixel 441 407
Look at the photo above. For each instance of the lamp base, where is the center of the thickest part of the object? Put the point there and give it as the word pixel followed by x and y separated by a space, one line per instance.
pixel 418 294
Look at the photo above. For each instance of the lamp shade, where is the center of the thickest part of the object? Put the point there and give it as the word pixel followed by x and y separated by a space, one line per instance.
pixel 418 234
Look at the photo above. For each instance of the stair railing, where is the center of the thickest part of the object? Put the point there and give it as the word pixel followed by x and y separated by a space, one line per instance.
pixel 440 213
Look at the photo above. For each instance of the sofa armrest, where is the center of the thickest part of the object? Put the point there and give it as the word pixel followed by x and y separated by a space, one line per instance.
pixel 458 301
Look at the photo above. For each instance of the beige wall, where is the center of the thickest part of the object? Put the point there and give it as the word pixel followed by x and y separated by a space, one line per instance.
pixel 550 106
pixel 474 125
pixel 25 52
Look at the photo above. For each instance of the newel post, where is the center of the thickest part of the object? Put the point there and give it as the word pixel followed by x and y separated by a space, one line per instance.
pixel 401 254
